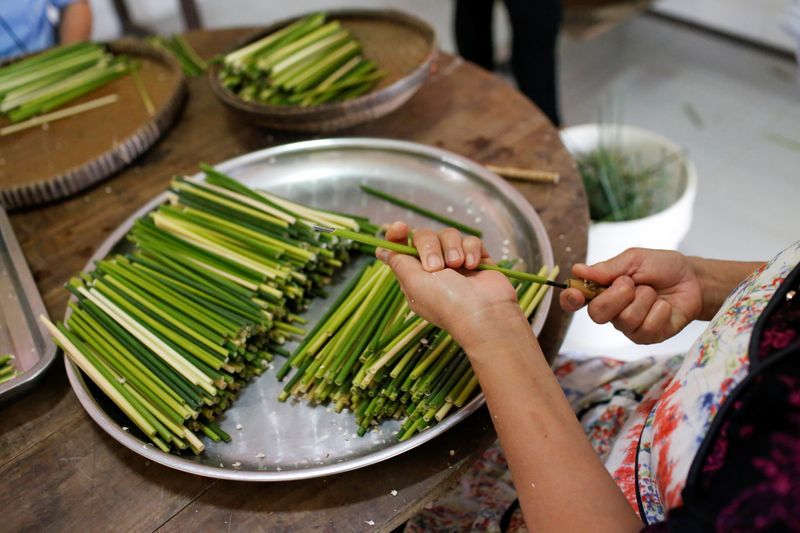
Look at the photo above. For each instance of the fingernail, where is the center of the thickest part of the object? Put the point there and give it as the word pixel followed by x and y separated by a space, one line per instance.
pixel 434 262
pixel 452 255
pixel 571 299
pixel 470 259
pixel 382 254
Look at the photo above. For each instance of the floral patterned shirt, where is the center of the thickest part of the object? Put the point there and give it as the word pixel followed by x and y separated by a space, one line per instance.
pixel 661 440
pixel 647 419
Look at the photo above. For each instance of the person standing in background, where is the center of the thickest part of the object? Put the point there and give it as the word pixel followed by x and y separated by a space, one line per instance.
pixel 25 25
pixel 535 25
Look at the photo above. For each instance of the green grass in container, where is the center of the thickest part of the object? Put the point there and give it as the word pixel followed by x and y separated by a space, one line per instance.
pixel 620 187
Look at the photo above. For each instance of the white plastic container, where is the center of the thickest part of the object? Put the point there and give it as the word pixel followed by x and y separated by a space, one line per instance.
pixel 663 230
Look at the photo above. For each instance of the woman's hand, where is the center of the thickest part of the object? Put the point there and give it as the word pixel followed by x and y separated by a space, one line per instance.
pixel 541 436
pixel 469 305
pixel 652 294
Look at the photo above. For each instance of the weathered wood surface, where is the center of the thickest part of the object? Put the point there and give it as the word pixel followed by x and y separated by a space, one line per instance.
pixel 59 471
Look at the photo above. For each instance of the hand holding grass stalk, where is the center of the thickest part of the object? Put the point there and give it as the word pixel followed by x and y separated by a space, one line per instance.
pixel 436 290
pixel 47 81
pixel 474 257
pixel 383 356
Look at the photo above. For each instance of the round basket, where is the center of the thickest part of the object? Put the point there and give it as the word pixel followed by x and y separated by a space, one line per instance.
pixel 402 45
pixel 43 165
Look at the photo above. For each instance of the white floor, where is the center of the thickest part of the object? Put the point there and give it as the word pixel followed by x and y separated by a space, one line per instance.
pixel 746 143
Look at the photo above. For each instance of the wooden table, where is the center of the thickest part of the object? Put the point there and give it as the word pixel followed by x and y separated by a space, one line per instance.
pixel 60 471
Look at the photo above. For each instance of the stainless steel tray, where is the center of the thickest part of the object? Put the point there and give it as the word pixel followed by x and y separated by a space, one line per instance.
pixel 21 334
pixel 298 441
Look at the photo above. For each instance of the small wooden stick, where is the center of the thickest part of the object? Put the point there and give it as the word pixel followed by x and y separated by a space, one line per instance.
pixel 541 176
pixel 62 113
pixel 589 289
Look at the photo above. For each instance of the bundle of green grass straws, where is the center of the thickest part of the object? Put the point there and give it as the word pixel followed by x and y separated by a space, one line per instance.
pixel 309 62
pixel 372 354
pixel 176 45
pixel 212 292
pixel 48 80
pixel 172 331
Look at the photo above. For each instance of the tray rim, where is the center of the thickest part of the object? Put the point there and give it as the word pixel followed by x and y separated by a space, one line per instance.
pixel 179 463
pixel 104 165
pixel 26 380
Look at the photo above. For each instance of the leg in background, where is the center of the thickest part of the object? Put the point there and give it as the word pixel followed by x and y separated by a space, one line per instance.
pixel 473 28
pixel 535 24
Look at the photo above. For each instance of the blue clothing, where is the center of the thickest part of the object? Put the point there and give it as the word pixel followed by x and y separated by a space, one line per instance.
pixel 25 25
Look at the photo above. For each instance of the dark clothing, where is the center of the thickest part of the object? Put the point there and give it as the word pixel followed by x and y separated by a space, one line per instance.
pixel 535 25
pixel 746 476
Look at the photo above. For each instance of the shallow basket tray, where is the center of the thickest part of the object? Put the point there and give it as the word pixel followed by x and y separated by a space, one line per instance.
pixel 53 161
pixel 401 45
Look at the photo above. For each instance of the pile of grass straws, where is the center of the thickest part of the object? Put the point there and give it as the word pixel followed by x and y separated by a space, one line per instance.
pixel 172 331
pixel 7 369
pixel 373 355
pixel 309 62
pixel 46 81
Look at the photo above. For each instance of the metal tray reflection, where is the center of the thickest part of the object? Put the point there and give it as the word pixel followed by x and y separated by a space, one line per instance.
pixel 285 441
pixel 21 334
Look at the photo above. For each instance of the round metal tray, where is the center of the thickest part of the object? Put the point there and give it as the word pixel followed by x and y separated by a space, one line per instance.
pixel 299 441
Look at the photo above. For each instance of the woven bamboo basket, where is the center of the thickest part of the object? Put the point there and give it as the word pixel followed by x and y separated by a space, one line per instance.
pixel 45 164
pixel 402 45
